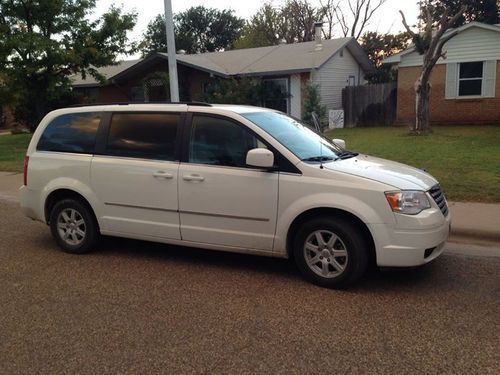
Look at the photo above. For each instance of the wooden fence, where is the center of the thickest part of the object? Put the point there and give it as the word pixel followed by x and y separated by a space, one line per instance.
pixel 369 105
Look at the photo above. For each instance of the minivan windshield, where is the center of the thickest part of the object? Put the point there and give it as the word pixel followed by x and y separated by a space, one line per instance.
pixel 297 137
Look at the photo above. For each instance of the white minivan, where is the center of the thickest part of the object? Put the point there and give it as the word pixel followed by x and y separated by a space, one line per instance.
pixel 233 178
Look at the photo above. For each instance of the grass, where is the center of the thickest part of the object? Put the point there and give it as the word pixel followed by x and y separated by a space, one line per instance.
pixel 12 151
pixel 465 159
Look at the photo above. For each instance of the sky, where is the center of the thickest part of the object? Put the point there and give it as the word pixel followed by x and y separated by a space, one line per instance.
pixel 385 20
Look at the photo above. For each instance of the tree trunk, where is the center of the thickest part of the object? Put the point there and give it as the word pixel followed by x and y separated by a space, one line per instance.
pixel 422 93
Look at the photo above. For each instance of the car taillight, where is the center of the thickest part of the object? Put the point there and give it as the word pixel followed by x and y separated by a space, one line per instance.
pixel 25 170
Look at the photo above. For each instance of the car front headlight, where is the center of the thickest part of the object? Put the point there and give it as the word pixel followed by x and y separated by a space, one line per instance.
pixel 409 202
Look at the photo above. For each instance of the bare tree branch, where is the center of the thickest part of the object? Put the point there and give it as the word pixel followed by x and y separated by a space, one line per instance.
pixel 405 24
pixel 356 17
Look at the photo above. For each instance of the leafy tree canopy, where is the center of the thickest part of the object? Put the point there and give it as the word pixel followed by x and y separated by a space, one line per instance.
pixel 293 22
pixel 43 42
pixel 380 46
pixel 197 29
pixel 487 11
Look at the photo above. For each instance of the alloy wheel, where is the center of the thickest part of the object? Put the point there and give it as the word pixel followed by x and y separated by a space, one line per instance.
pixel 325 254
pixel 71 226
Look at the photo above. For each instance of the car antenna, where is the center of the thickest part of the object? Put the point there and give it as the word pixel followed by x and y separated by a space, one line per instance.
pixel 318 130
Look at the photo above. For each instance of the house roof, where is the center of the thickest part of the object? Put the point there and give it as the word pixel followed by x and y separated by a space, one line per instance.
pixel 396 58
pixel 272 60
pixel 107 71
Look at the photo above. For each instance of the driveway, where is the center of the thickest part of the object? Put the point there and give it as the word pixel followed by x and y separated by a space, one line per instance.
pixel 138 307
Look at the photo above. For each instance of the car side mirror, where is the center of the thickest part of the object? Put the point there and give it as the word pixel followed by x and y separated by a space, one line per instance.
pixel 339 142
pixel 260 157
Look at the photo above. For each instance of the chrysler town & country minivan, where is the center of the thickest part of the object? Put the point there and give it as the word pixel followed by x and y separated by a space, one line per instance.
pixel 234 178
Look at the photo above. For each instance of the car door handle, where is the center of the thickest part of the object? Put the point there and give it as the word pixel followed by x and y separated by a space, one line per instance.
pixel 163 174
pixel 193 177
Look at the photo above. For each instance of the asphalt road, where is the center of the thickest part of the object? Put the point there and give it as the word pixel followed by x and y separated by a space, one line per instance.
pixel 138 307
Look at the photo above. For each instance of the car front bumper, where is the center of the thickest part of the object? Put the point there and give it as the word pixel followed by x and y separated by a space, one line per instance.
pixel 410 247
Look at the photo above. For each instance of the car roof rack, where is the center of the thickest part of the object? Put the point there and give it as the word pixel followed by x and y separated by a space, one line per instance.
pixel 201 104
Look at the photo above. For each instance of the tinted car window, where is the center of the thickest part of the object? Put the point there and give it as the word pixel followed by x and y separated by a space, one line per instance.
pixel 143 135
pixel 220 142
pixel 75 132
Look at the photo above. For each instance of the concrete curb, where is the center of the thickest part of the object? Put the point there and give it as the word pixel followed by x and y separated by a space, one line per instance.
pixel 481 235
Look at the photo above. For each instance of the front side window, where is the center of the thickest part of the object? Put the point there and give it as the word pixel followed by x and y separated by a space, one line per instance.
pixel 143 135
pixel 296 137
pixel 73 132
pixel 470 79
pixel 218 141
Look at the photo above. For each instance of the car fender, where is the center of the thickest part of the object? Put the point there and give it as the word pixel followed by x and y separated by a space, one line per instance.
pixel 368 214
pixel 74 185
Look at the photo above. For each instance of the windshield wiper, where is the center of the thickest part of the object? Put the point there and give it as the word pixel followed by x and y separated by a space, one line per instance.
pixel 347 154
pixel 319 158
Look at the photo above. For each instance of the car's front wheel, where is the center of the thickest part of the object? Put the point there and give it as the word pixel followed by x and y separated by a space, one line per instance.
pixel 331 252
pixel 73 226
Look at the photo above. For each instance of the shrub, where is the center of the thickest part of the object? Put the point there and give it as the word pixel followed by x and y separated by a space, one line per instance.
pixel 312 103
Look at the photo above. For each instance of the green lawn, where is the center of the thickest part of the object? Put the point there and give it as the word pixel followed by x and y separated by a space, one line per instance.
pixel 465 159
pixel 12 151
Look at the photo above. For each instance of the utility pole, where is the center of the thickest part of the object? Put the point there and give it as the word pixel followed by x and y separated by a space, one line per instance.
pixel 172 62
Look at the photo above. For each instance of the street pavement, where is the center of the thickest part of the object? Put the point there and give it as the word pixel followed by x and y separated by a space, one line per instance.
pixel 139 307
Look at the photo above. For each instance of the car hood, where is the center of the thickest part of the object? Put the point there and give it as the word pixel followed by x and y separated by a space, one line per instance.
pixel 388 172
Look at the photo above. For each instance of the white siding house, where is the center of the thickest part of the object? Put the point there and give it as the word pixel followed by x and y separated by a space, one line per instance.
pixel 341 70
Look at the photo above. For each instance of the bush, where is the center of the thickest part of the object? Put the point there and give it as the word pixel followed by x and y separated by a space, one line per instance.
pixel 312 103
pixel 234 91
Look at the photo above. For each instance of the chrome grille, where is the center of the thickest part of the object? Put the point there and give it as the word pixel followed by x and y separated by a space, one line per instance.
pixel 439 198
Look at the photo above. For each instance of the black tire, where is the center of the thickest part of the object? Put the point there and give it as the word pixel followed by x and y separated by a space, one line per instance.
pixel 83 243
pixel 352 242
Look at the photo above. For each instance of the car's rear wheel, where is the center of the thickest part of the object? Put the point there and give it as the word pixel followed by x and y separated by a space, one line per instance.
pixel 331 252
pixel 73 226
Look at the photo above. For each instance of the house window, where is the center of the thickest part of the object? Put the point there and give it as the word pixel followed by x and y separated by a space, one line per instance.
pixel 352 81
pixel 276 94
pixel 470 79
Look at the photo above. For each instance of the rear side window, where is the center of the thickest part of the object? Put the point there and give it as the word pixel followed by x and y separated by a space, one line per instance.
pixel 73 132
pixel 143 135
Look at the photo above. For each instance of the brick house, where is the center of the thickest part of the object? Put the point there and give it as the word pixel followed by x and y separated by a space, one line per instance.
pixel 465 86
pixel 332 64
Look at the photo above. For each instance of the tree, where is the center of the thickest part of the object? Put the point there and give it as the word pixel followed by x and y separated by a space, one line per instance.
pixel 486 11
pixel 380 46
pixel 44 42
pixel 356 17
pixel 429 43
pixel 299 17
pixel 197 29
pixel 263 29
pixel 291 23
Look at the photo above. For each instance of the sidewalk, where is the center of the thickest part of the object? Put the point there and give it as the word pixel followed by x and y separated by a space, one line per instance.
pixel 470 222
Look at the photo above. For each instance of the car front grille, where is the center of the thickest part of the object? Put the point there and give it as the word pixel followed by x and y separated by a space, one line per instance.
pixel 438 196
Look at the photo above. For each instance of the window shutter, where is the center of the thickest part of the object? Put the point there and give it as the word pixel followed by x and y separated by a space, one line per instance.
pixel 451 87
pixel 489 78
